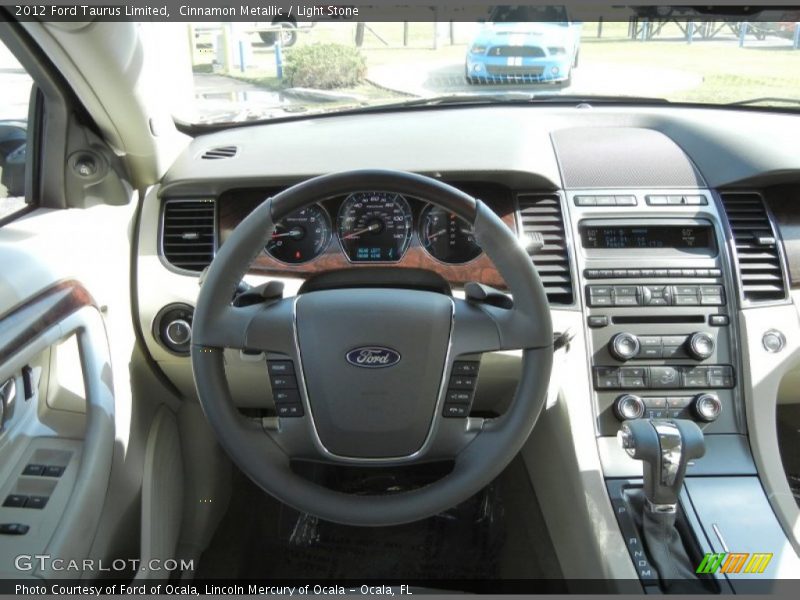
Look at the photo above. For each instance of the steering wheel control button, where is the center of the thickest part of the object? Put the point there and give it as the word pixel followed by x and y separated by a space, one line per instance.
pixel 280 367
pixel 456 410
pixel 459 397
pixel 13 529
pixel 15 500
pixel 624 346
pixel 286 396
pixel 628 407
pixel 773 340
pixel 466 367
pixel 707 407
pixel 290 410
pixel 462 382
pixel 283 382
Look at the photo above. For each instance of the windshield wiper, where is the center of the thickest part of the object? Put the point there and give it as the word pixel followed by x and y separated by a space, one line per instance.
pixel 765 100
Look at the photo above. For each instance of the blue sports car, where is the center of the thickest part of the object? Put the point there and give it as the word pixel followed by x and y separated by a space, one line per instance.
pixel 523 52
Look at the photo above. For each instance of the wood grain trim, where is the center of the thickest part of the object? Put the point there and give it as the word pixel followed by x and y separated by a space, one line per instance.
pixel 26 321
pixel 232 212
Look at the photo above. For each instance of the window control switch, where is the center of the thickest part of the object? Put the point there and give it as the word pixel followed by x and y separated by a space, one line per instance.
pixel 36 502
pixel 13 529
pixel 53 471
pixel 15 500
pixel 33 470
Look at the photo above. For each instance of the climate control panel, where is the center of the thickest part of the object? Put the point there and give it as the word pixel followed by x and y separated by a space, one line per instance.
pixel 627 346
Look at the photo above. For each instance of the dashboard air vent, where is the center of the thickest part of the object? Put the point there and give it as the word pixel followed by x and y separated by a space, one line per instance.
pixel 219 153
pixel 541 213
pixel 187 238
pixel 757 257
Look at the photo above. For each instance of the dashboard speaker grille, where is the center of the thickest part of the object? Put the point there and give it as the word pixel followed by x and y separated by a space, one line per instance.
pixel 757 257
pixel 542 214
pixel 188 233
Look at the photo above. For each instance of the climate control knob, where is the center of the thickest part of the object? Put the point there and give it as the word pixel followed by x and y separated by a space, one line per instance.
pixel 701 345
pixel 624 346
pixel 628 407
pixel 706 407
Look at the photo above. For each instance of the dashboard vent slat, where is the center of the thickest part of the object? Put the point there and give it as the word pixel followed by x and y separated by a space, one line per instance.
pixel 758 260
pixel 188 236
pixel 542 214
pixel 219 153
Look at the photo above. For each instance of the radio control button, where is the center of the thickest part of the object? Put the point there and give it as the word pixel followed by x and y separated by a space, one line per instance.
pixel 649 352
pixel 715 272
pixel 650 340
pixel 673 340
pixel 597 321
pixel 686 290
pixel 648 273
pixel 701 345
pixel 685 300
pixel 585 201
pixel 656 200
pixel 620 273
pixel 606 273
pixel 624 346
pixel 711 290
pixel 591 273
pixel 672 352
pixel 600 290
pixel 600 301
pixel 636 273
pixel 674 272
pixel 625 290
pixel 712 301
pixel 701 272
pixel 718 320
pixel 625 301
pixel 606 200
pixel 626 200
pixel 662 273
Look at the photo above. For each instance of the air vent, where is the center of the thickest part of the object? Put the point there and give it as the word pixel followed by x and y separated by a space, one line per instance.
pixel 541 213
pixel 757 256
pixel 188 234
pixel 219 153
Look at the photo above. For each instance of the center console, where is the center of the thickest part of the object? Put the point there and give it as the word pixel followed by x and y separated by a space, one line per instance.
pixel 658 307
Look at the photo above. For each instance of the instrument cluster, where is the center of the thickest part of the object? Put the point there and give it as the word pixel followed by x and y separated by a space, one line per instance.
pixel 373 227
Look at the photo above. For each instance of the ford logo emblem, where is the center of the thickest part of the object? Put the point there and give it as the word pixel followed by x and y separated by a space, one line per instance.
pixel 373 357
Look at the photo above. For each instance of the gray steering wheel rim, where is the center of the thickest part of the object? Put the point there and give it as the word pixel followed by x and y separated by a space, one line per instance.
pixel 260 457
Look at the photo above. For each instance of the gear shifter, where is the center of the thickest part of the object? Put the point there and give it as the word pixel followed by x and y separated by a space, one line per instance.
pixel 665 446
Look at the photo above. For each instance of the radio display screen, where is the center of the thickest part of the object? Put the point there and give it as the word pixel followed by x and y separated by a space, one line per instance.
pixel 678 237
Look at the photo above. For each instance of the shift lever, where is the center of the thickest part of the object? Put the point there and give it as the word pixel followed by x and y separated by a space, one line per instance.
pixel 665 446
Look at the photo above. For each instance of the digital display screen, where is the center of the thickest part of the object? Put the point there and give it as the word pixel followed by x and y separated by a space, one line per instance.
pixel 653 237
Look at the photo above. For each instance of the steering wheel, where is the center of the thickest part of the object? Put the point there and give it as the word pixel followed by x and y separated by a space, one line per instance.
pixel 372 416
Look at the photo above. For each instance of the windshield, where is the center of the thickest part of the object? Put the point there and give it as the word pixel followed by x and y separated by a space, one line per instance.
pixel 263 70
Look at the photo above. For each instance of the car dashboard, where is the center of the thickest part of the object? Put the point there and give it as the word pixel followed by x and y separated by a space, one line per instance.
pixel 668 256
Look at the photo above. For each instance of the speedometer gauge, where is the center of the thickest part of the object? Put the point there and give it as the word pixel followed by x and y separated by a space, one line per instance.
pixel 375 226
pixel 446 237
pixel 301 236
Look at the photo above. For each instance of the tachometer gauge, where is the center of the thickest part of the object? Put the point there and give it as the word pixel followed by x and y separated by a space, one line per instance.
pixel 301 236
pixel 446 237
pixel 375 226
